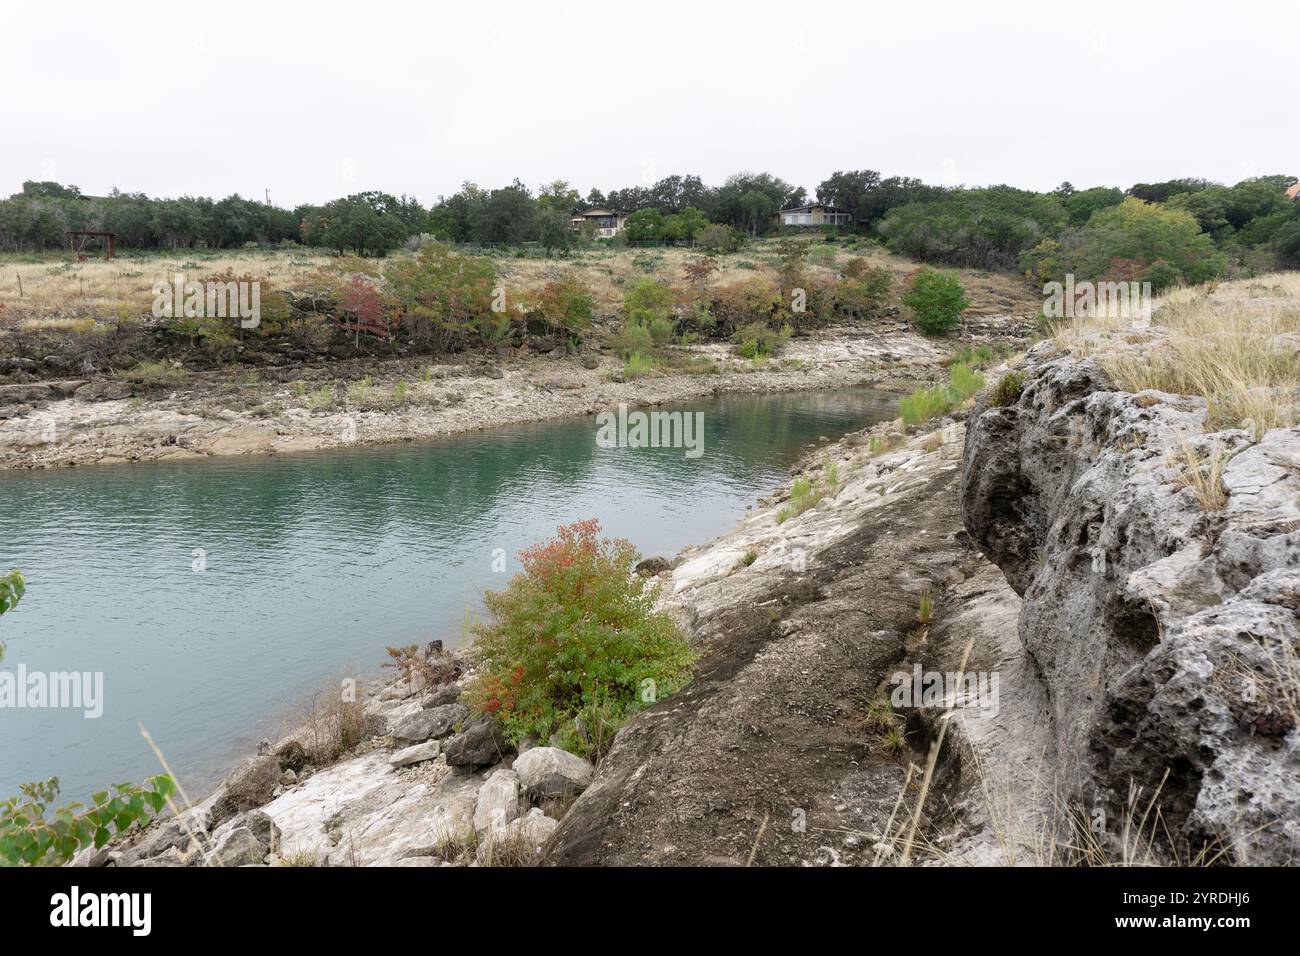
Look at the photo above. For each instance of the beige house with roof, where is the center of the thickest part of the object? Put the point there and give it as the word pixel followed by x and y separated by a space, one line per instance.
pixel 814 214
pixel 604 222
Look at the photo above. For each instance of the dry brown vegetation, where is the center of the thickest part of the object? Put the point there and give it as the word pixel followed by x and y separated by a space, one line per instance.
pixel 59 293
pixel 330 721
pixel 1235 343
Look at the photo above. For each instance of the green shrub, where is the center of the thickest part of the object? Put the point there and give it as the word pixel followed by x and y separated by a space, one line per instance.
pixel 757 340
pixel 803 495
pixel 1135 232
pixel 1009 389
pixel 12 587
pixel 975 357
pixel 975 228
pixel 718 239
pixel 575 644
pixel 859 295
pixel 1162 276
pixel 442 294
pixel 927 403
pixel 937 300
pixel 633 338
pixel 647 300
pixel 566 304
pixel 662 331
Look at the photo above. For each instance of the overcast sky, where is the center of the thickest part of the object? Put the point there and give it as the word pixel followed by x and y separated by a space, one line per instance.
pixel 316 100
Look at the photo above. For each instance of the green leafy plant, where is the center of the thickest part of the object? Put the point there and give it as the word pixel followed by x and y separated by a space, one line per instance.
pixel 565 304
pixel 574 644
pixel 924 404
pixel 646 301
pixel 31 833
pixel 937 300
pixel 12 588
pixel 963 381
pixel 637 365
pixel 758 340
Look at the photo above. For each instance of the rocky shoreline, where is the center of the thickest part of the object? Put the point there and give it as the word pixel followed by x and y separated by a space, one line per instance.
pixel 433 784
pixel 1140 642
pixel 46 424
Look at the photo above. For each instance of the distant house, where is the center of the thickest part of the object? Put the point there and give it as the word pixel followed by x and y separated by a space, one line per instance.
pixel 607 222
pixel 815 215
pixel 1293 192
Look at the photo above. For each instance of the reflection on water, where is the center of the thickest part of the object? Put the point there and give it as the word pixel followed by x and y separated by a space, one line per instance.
pixel 316 562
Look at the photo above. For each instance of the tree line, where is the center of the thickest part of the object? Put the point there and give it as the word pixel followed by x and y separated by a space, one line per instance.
pixel 1252 225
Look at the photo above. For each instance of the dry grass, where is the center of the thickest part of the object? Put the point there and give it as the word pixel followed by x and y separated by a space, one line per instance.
pixel 1237 344
pixel 1062 833
pixel 330 721
pixel 1202 472
pixel 57 293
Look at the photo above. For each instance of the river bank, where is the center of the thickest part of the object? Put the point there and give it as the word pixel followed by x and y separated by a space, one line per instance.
pixel 349 403
pixel 950 555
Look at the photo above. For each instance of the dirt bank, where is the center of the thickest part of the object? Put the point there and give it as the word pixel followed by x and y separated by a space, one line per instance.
pixel 784 749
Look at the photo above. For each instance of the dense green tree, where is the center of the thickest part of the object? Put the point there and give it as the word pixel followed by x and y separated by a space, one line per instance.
pixel 685 225
pixel 357 223
pixel 559 196
pixel 644 225
pixel 555 231
pixel 1081 204
pixel 507 216
pixel 980 228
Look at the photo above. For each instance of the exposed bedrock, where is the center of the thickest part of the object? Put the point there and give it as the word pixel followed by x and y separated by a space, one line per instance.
pixel 1164 624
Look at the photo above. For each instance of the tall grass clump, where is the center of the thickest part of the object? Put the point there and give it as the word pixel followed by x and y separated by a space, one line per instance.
pixel 574 644
pixel 803 495
pixel 923 405
pixel 638 365
pixel 963 381
pixel 1233 343
pixel 927 403
pixel 1202 473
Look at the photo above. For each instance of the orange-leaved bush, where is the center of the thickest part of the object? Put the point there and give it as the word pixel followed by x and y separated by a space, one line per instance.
pixel 574 645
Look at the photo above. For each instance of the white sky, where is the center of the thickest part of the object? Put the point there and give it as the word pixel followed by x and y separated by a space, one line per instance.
pixel 317 100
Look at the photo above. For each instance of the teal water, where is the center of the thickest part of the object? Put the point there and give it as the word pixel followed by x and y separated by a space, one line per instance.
pixel 316 562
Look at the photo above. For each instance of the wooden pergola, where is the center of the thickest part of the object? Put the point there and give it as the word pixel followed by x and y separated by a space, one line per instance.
pixel 77 241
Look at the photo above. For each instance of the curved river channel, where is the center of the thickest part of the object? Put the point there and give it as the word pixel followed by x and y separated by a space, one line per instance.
pixel 211 595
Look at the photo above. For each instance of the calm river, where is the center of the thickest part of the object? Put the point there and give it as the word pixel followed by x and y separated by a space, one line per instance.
pixel 212 594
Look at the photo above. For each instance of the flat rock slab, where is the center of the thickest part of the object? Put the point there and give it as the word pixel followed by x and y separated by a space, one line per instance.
pixel 359 813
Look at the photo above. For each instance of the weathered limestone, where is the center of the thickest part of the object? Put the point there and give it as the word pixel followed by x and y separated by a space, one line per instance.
pixel 1161 629
pixel 552 772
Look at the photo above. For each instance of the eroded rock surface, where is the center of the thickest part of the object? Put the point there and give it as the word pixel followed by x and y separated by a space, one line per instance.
pixel 1164 627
